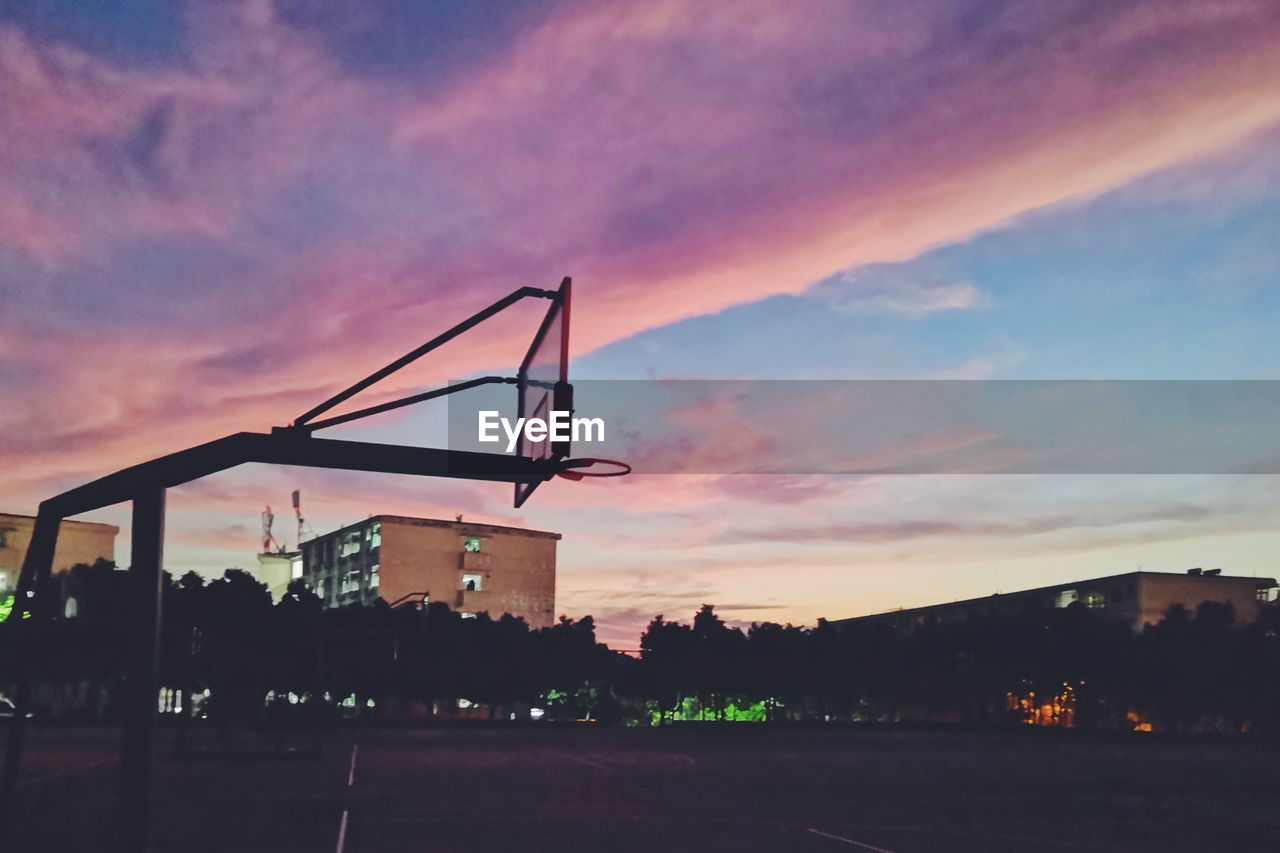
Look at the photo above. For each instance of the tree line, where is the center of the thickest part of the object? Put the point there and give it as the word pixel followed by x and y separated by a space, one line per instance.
pixel 229 653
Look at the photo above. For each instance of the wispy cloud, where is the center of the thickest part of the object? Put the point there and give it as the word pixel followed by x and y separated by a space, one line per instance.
pixel 906 529
pixel 862 292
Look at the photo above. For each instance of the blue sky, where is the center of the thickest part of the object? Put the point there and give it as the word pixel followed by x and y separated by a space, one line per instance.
pixel 1172 276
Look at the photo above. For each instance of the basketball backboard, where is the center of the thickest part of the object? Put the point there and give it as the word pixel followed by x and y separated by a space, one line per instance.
pixel 542 383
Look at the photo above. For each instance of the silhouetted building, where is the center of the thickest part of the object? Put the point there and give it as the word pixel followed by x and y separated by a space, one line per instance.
pixel 78 542
pixel 473 568
pixel 1139 598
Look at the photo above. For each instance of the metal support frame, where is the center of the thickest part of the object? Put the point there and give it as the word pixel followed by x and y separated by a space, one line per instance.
pixel 145 486
pixel 143 683
pixel 404 401
pixel 413 355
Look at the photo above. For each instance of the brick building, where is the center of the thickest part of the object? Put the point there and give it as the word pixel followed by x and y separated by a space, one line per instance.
pixel 474 568
pixel 78 542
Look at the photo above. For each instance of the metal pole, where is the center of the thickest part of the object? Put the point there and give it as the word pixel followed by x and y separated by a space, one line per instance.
pixel 142 686
pixel 25 647
pixel 409 357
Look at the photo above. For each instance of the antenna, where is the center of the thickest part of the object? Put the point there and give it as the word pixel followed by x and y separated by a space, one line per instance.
pixel 268 540
pixel 304 530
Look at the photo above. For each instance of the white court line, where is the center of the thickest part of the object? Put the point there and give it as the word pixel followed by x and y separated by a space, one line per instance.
pixel 342 832
pixel 595 764
pixel 848 841
pixel 351 781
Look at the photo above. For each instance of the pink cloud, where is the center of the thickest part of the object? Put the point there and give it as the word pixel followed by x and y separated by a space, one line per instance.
pixel 112 154
pixel 678 141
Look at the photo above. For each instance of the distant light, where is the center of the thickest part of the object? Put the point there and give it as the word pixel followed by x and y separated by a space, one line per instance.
pixel 536 713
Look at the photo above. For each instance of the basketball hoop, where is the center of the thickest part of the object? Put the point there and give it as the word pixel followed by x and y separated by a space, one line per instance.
pixel 572 468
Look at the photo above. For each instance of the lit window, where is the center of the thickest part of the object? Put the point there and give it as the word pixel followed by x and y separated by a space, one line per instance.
pixel 1095 600
pixel 472 544
pixel 374 583
pixel 1066 597
pixel 467 615
pixel 376 539
pixel 1264 594
pixel 471 583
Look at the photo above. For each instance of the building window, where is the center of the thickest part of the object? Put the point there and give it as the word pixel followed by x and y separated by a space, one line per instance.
pixel 376 538
pixel 374 583
pixel 1095 600
pixel 1264 594
pixel 1067 597
pixel 467 615
pixel 472 544
pixel 471 583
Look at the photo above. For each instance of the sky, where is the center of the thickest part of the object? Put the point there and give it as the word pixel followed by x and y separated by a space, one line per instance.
pixel 216 214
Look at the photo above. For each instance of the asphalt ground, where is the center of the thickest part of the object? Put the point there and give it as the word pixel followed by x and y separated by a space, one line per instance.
pixel 740 788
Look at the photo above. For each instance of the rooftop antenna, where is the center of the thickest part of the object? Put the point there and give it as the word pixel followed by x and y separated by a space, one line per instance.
pixel 268 540
pixel 304 530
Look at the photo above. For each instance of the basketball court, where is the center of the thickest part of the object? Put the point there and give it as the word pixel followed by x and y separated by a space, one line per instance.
pixel 553 788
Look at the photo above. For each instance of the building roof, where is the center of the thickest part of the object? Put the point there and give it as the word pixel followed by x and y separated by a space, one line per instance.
pixel 1265 583
pixel 30 519
pixel 468 526
pixel 464 528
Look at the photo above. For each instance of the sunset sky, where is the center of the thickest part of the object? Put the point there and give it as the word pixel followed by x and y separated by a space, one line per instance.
pixel 215 214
